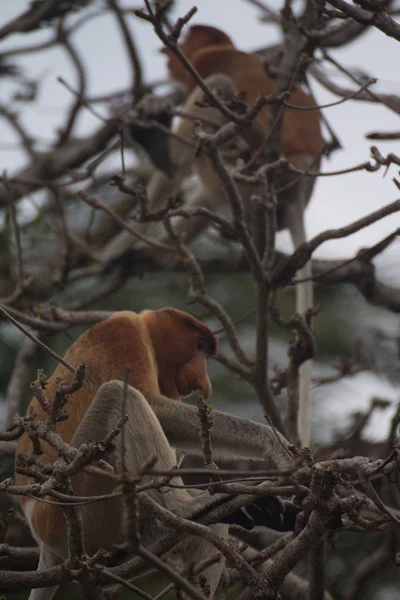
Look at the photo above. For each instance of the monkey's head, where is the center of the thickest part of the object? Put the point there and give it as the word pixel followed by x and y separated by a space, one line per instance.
pixel 182 345
pixel 198 38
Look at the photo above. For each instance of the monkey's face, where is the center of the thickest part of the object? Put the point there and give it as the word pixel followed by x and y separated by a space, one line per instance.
pixel 193 375
pixel 182 345
pixel 199 37
pixel 176 70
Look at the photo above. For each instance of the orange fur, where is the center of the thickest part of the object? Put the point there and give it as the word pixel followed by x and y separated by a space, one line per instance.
pixel 211 54
pixel 301 129
pixel 165 351
pixel 198 37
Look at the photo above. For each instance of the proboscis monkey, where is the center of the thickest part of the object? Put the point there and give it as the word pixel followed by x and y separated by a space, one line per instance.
pixel 166 352
pixel 227 71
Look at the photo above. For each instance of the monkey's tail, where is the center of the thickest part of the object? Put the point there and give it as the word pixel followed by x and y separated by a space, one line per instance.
pixel 304 301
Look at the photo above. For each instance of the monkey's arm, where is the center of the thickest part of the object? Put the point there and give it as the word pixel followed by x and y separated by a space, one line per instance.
pixel 160 188
pixel 178 165
pixel 230 435
pixel 151 112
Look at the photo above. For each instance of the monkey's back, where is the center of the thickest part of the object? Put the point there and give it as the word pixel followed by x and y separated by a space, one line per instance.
pixel 301 128
pixel 107 349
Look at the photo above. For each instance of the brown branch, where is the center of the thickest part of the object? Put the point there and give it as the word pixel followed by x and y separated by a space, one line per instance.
pixel 36 340
pixel 198 293
pixel 15 228
pixel 96 203
pixel 316 567
pixel 66 131
pixel 27 141
pixel 136 67
pixel 17 380
pixel 378 17
pixel 180 582
pixel 391 101
pixel 300 257
pixel 55 163
pixel 32 18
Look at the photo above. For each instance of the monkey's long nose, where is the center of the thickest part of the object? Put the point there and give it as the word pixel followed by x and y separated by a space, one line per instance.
pixel 206 387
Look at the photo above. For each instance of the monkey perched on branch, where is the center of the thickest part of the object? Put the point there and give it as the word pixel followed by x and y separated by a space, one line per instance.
pixel 165 352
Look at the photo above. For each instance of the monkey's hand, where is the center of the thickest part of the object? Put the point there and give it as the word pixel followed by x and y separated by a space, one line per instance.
pixel 269 511
pixel 150 124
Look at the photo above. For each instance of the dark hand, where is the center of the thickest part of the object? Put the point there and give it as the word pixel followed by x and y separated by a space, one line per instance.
pixel 154 140
pixel 268 512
